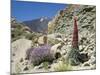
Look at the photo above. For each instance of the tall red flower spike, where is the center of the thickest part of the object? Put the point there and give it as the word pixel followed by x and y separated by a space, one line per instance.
pixel 75 34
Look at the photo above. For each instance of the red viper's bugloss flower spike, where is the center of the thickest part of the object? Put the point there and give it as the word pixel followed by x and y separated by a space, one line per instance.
pixel 75 34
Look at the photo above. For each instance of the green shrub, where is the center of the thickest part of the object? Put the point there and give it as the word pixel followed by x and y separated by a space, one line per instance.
pixel 45 65
pixel 63 67
pixel 28 35
pixel 16 34
pixel 53 41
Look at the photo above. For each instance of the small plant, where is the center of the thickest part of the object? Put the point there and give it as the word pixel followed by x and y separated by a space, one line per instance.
pixel 28 36
pixel 63 67
pixel 45 65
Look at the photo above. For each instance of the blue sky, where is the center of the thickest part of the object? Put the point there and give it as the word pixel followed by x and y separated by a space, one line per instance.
pixel 32 10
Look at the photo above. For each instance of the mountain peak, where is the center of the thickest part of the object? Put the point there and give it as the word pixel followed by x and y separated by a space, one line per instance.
pixel 38 25
pixel 43 18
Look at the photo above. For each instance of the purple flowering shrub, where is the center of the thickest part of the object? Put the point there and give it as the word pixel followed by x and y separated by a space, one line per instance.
pixel 40 54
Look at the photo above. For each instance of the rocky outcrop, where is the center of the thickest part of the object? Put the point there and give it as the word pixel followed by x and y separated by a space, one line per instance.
pixel 18 50
pixel 63 24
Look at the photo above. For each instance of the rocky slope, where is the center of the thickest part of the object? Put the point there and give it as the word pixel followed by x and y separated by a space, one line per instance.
pixel 86 18
pixel 60 32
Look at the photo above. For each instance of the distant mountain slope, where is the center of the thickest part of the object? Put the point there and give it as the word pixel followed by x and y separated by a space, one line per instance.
pixel 20 31
pixel 38 25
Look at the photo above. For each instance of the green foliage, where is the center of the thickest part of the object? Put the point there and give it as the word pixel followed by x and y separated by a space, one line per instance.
pixel 16 34
pixel 28 35
pixel 64 66
pixel 53 41
pixel 19 26
pixel 45 65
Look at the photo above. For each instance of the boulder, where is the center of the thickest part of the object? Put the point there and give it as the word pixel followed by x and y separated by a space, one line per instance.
pixel 18 50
